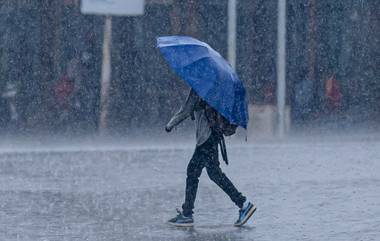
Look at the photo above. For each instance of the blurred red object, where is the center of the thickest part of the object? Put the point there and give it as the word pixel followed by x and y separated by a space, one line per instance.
pixel 63 91
pixel 333 93
pixel 70 2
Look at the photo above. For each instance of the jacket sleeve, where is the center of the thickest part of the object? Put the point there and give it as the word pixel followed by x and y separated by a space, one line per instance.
pixel 185 111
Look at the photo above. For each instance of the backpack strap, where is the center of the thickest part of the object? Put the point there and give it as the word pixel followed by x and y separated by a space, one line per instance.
pixel 223 149
pixel 222 144
pixel 219 135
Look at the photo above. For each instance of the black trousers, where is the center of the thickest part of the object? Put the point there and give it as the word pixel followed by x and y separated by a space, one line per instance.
pixel 207 156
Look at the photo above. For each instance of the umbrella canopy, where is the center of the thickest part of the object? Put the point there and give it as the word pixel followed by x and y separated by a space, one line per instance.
pixel 211 77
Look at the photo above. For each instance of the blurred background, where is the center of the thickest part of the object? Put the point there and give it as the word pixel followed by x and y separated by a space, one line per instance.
pixel 320 85
pixel 51 59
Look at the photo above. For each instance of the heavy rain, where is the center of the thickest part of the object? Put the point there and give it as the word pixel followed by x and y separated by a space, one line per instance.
pixel 90 149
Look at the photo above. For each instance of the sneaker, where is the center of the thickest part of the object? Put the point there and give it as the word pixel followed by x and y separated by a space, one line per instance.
pixel 182 221
pixel 245 213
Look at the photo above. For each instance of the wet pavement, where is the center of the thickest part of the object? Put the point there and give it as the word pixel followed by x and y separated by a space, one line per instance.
pixel 304 190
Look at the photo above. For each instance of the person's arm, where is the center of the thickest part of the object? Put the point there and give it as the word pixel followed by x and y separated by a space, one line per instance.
pixel 184 112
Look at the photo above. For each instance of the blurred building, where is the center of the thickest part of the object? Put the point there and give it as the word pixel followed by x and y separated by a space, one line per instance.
pixel 40 40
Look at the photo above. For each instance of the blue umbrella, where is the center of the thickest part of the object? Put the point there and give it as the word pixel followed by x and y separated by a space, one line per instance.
pixel 211 77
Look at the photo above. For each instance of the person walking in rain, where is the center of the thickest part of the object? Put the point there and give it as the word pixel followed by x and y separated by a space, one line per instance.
pixel 205 155
pixel 217 102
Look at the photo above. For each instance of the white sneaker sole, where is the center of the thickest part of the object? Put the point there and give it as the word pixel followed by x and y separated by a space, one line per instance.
pixel 182 225
pixel 249 214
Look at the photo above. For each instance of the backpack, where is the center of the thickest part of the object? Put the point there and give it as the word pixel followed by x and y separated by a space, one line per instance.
pixel 218 122
pixel 221 126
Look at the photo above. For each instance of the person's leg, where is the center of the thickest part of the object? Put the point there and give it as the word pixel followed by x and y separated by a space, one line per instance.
pixel 216 175
pixel 194 171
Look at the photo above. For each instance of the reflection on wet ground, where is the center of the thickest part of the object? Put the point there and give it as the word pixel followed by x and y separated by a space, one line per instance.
pixel 304 191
